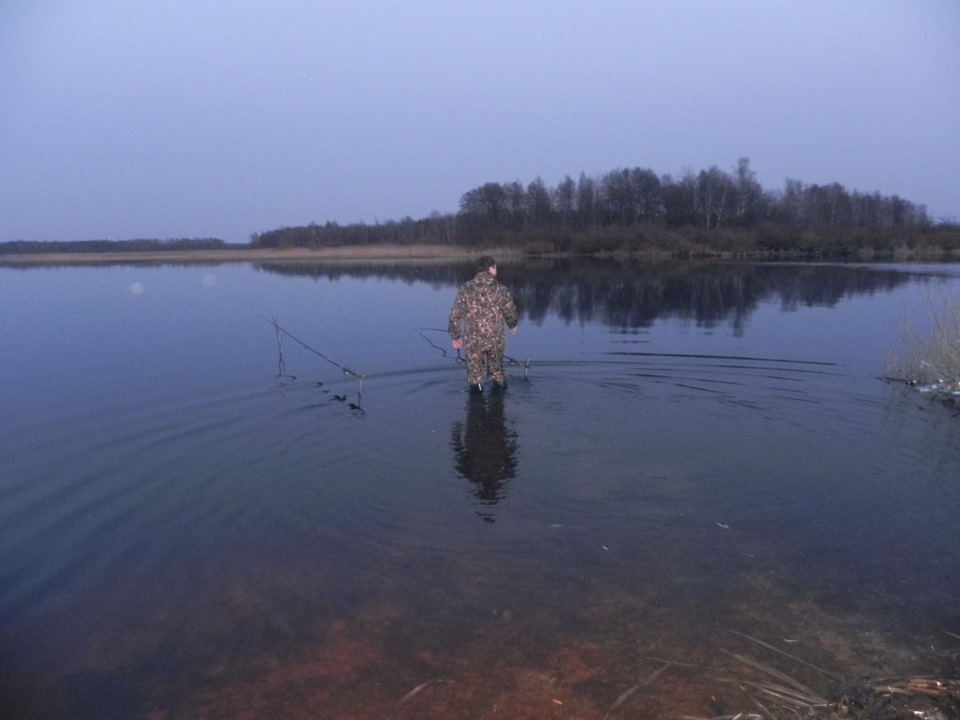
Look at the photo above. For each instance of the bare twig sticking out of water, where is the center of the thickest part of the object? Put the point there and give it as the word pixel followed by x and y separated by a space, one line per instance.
pixel 346 371
pixel 281 365
pixel 458 359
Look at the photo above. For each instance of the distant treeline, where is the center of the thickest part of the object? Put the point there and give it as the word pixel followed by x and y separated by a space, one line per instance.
pixel 30 247
pixel 636 210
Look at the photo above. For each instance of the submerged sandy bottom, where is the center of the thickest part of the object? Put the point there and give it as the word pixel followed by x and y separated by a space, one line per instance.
pixel 621 656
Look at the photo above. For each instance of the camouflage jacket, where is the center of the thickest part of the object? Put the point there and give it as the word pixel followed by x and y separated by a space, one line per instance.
pixel 484 305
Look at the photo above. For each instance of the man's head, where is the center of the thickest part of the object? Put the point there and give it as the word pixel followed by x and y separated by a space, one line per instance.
pixel 486 263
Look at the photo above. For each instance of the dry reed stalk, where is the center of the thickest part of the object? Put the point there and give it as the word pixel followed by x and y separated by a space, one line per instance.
pixel 930 355
pixel 786 654
pixel 783 677
pixel 646 681
pixel 417 689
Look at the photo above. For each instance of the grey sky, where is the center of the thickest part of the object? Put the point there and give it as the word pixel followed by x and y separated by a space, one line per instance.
pixel 207 118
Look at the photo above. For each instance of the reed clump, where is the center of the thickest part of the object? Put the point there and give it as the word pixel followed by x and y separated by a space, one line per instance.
pixel 772 694
pixel 929 356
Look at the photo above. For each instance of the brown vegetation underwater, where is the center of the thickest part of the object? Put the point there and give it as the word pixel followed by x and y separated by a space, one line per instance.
pixel 625 657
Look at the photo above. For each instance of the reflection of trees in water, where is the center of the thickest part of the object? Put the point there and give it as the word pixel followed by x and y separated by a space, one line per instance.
pixel 485 449
pixel 634 295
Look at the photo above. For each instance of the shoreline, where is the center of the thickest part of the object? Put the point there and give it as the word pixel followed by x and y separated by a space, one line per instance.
pixel 406 253
pixel 421 253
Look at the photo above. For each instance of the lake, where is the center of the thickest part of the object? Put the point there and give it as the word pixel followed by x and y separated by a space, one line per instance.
pixel 202 515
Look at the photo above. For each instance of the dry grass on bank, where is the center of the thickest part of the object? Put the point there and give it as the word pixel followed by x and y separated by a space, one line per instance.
pixel 681 247
pixel 352 253
pixel 930 355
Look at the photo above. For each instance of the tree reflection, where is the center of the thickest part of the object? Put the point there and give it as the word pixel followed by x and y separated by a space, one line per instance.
pixel 629 295
pixel 485 450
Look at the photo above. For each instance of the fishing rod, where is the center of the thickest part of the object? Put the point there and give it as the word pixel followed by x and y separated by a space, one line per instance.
pixel 443 350
pixel 346 371
pixel 458 359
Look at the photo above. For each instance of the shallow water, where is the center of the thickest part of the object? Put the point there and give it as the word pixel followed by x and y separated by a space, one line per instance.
pixel 199 520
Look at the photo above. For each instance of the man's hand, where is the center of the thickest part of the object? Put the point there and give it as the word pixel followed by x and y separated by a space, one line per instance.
pixel 457 344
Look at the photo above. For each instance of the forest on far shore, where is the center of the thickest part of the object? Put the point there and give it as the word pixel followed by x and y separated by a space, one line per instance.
pixel 627 211
pixel 32 247
pixel 634 210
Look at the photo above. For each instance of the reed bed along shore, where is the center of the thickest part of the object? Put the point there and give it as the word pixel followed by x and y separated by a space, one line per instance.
pixel 929 354
pixel 350 253
pixel 437 253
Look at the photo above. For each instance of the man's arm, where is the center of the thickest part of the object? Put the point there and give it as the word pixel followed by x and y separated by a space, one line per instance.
pixel 509 310
pixel 457 313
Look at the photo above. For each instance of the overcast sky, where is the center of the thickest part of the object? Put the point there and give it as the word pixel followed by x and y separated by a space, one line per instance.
pixel 209 118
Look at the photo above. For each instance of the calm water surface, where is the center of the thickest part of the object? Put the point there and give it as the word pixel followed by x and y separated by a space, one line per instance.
pixel 198 520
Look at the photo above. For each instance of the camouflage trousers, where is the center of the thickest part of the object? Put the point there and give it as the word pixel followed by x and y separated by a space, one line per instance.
pixel 485 360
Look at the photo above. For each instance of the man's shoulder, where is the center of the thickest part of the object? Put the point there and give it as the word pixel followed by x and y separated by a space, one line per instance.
pixel 475 282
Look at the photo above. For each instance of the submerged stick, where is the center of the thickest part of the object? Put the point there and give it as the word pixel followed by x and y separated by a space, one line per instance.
pixel 738 716
pixel 785 695
pixel 786 654
pixel 684 665
pixel 646 681
pixel 778 675
pixel 417 689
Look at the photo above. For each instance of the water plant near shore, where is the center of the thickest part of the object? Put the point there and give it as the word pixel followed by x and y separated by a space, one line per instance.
pixel 929 357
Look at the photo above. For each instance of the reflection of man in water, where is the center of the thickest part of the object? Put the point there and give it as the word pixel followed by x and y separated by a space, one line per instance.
pixel 483 305
pixel 485 450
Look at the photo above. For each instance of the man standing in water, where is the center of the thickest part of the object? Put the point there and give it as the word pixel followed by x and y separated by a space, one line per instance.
pixel 483 305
